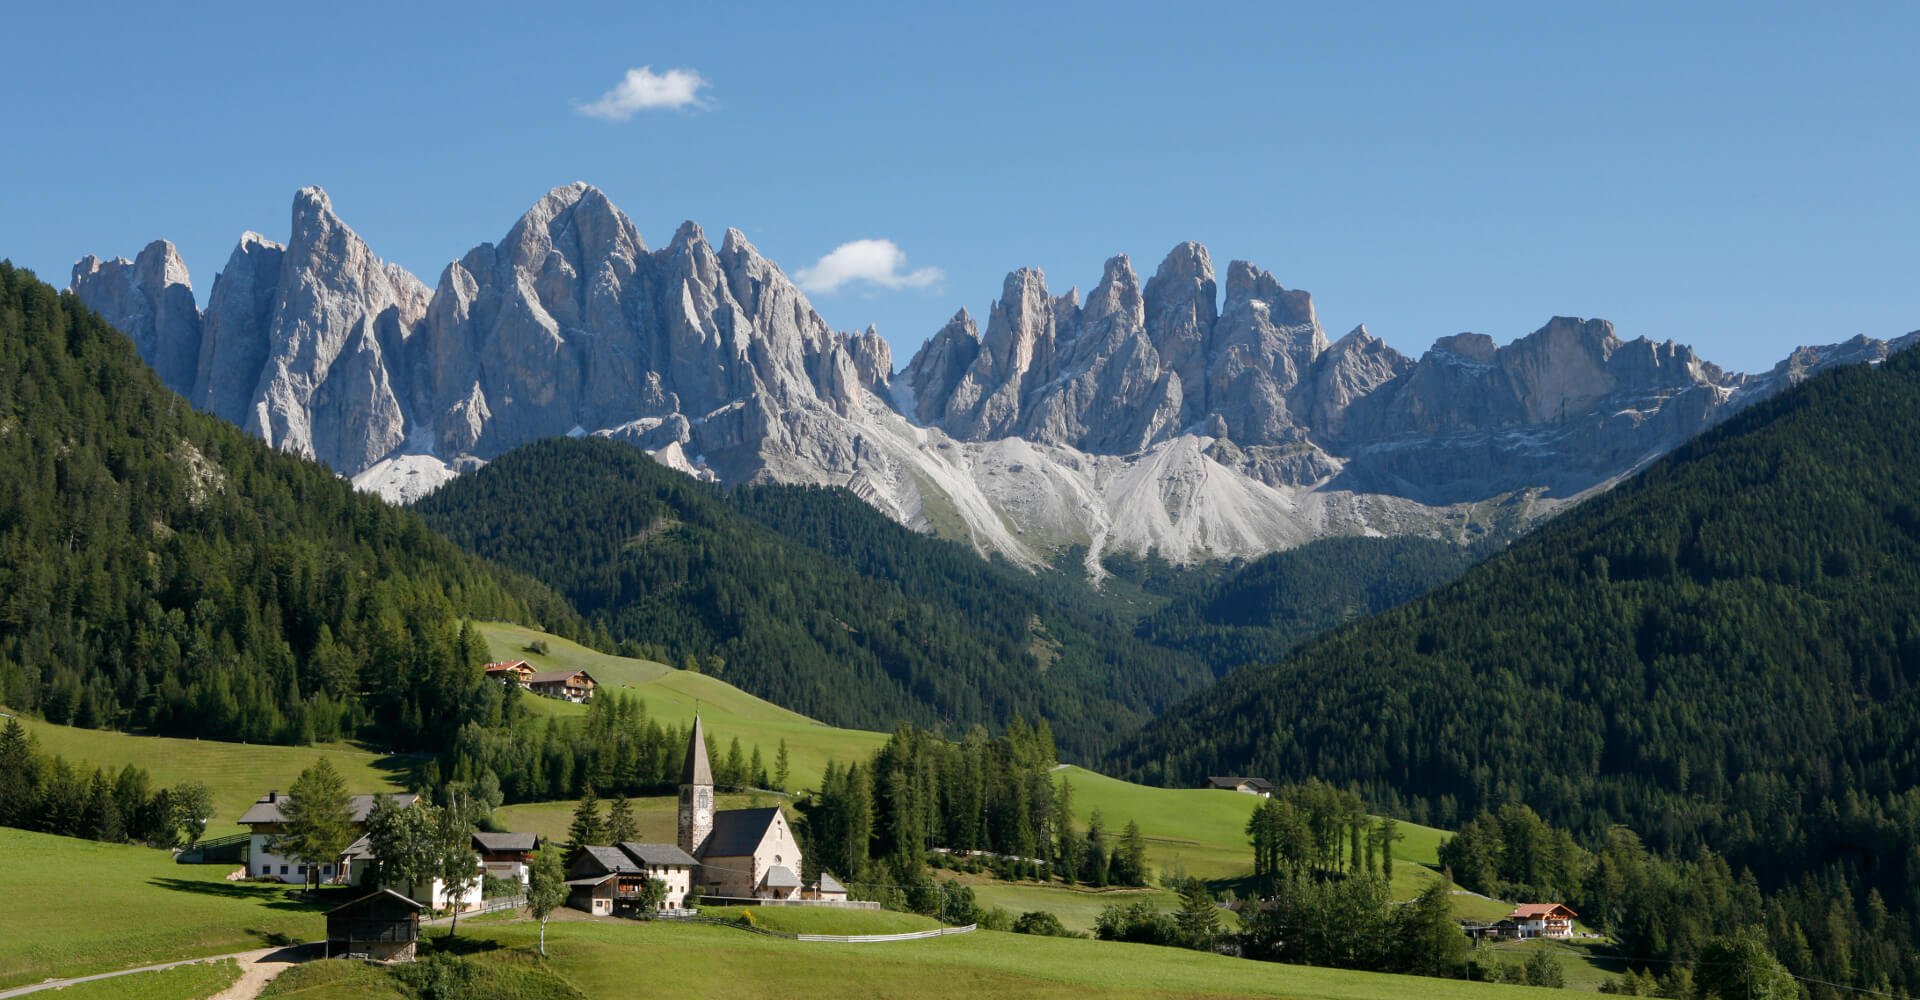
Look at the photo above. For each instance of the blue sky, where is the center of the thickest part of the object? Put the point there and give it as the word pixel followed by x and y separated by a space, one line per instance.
pixel 1739 179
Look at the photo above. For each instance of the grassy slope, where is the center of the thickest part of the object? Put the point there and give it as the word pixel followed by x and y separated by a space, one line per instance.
pixel 606 959
pixel 237 773
pixel 672 695
pixel 73 907
pixel 185 982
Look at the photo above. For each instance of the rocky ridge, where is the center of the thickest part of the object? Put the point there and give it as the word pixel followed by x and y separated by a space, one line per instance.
pixel 1152 416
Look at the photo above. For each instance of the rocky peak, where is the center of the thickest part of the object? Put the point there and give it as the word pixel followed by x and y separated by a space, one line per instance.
pixel 1117 297
pixel 151 299
pixel 1181 313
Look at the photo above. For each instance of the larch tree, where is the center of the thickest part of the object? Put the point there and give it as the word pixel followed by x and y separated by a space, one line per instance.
pixel 318 819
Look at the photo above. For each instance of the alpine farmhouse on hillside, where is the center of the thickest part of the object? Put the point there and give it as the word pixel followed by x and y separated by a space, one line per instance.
pixel 566 685
pixel 500 855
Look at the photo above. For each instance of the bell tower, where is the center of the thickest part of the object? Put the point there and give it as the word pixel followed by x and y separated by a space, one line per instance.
pixel 696 793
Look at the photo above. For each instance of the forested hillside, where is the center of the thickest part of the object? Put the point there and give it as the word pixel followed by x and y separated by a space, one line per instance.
pixel 807 597
pixel 1263 609
pixel 160 569
pixel 1724 651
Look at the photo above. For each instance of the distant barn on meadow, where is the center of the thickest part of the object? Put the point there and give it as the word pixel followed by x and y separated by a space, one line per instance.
pixel 382 926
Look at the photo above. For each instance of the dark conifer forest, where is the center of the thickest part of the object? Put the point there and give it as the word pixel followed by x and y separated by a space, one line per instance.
pixel 807 597
pixel 160 569
pixel 1723 652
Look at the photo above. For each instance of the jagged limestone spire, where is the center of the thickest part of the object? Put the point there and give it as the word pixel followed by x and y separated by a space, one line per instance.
pixel 696 793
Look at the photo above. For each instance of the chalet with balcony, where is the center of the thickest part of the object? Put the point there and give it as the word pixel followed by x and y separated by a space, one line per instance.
pixel 1546 920
pixel 567 685
pixel 506 855
pixel 611 880
pixel 511 672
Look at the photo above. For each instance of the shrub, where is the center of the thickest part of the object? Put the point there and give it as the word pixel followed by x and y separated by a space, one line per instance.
pixel 1139 922
pixel 997 919
pixel 1042 923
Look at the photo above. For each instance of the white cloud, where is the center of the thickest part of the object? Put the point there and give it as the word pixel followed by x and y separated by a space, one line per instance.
pixel 874 262
pixel 644 90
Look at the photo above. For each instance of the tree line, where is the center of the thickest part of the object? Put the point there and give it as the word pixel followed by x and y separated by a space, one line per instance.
pixel 925 801
pixel 1722 651
pixel 808 597
pixel 161 570
pixel 49 795
pixel 1675 918
pixel 616 748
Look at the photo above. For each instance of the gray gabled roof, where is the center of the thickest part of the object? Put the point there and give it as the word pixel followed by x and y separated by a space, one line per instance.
pixel 503 841
pixel 608 859
pixel 782 877
pixel 830 884
pixel 558 676
pixel 658 855
pixel 696 770
pixel 267 808
pixel 736 832
pixel 416 904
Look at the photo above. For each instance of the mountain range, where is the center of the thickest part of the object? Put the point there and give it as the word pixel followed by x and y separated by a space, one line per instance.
pixel 1153 416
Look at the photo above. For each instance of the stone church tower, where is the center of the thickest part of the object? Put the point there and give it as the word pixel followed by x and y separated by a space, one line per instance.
pixel 696 794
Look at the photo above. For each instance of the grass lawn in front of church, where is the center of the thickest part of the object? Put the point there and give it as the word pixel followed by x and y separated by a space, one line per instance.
pixel 613 958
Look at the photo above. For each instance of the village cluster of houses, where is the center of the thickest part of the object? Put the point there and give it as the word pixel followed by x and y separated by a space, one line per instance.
pixel 566 685
pixel 726 856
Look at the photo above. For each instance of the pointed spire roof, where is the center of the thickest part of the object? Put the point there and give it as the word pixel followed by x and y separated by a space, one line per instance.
pixel 697 770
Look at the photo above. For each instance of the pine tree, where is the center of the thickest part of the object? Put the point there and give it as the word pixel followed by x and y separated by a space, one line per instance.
pixel 780 772
pixel 319 819
pixel 1131 856
pixel 587 828
pixel 620 825
pixel 1198 917
pixel 20 775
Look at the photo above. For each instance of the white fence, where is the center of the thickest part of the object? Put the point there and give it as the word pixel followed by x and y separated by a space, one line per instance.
pixel 831 904
pixel 870 938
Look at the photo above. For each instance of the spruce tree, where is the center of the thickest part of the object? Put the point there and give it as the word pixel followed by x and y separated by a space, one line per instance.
pixel 620 825
pixel 587 828
pixel 20 775
pixel 780 764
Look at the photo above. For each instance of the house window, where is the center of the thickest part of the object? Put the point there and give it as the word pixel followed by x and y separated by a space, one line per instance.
pixel 283 869
pixel 326 869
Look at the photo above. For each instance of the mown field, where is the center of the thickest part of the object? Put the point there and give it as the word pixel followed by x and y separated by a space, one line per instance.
pixel 186 982
pixel 73 907
pixel 236 773
pixel 613 959
pixel 673 696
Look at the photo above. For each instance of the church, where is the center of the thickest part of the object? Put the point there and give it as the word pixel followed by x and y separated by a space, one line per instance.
pixel 742 853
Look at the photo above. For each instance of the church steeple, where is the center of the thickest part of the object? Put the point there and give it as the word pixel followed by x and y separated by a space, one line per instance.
pixel 696 793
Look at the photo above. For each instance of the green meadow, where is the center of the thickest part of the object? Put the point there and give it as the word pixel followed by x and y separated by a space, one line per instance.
pixel 185 982
pixel 74 907
pixel 667 959
pixel 674 695
pixel 236 773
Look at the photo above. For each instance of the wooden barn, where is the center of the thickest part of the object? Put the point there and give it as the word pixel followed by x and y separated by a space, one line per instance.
pixel 382 926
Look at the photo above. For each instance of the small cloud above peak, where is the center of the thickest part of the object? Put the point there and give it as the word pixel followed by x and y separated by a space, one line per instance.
pixel 880 263
pixel 644 90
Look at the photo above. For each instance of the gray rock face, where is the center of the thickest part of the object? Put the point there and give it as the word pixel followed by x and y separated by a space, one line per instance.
pixel 150 299
pixel 1171 417
pixel 1562 410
